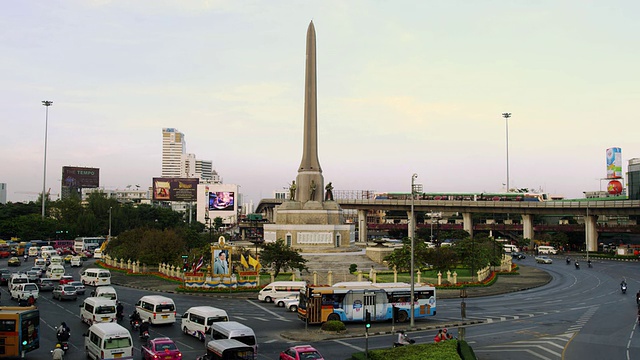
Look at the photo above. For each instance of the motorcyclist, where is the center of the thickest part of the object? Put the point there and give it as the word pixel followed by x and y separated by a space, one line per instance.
pixel 568 260
pixel 403 339
pixel 144 327
pixel 135 316
pixel 119 311
pixel 58 353
pixel 638 297
pixel 577 265
pixel 63 332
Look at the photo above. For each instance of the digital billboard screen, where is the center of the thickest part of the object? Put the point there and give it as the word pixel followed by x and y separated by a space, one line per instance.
pixel 175 189
pixel 614 163
pixel 221 201
pixel 80 177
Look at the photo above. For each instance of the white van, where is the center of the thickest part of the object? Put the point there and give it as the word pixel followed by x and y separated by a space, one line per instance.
pixel 55 260
pixel 508 248
pixel 107 292
pixel 76 261
pixel 547 250
pixel 280 289
pixel 33 251
pixel 48 253
pixel 227 349
pixel 97 309
pixel 96 277
pixel 97 253
pixel 46 248
pixel 108 341
pixel 40 262
pixel 157 309
pixel 17 279
pixel 198 319
pixel 237 331
pixel 24 291
pixel 54 271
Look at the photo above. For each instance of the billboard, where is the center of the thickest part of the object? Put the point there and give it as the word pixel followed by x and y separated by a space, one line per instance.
pixel 175 189
pixel 614 163
pixel 80 177
pixel 221 201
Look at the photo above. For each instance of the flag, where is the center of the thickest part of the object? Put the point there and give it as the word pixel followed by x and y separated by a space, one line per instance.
pixel 253 262
pixel 199 264
pixel 243 261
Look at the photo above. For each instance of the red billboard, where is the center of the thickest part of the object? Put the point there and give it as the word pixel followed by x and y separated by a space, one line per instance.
pixel 175 189
pixel 80 177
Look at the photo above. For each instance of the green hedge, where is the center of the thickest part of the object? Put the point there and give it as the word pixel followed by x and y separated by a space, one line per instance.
pixel 445 350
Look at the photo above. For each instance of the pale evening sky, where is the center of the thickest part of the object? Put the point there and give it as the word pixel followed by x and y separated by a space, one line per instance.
pixel 403 87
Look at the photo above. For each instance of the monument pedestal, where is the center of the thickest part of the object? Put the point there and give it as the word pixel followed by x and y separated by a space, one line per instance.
pixel 312 226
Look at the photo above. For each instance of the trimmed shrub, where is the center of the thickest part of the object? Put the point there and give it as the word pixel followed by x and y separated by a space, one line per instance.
pixel 333 325
pixel 353 268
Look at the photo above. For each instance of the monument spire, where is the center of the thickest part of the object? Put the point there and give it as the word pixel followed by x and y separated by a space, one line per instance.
pixel 310 181
pixel 310 144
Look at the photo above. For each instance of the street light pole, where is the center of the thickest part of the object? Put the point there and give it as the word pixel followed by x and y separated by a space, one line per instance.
pixel 109 238
pixel 412 236
pixel 46 103
pixel 506 117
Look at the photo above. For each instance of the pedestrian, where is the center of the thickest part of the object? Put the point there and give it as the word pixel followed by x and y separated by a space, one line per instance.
pixel 446 335
pixel 438 336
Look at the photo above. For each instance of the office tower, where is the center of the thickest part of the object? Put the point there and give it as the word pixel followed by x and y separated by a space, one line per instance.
pixel 173 149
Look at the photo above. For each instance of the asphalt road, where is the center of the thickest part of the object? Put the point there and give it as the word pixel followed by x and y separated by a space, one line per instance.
pixel 580 314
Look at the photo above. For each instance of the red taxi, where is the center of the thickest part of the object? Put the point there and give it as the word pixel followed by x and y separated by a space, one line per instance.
pixel 161 348
pixel 301 352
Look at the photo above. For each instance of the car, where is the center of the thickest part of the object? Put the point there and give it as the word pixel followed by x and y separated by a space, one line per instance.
pixel 79 287
pixel 280 302
pixel 14 261
pixel 518 255
pixel 65 292
pixel 5 275
pixel 38 270
pixel 5 254
pixel 301 352
pixel 46 284
pixel 292 305
pixel 33 275
pixel 161 348
pixel 65 279
pixel 67 258
pixel 542 259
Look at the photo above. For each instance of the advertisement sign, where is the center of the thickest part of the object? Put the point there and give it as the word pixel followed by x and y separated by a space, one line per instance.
pixel 80 177
pixel 221 201
pixel 614 163
pixel 175 189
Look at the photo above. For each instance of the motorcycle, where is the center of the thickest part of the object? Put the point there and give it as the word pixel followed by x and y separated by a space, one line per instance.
pixel 119 317
pixel 144 337
pixel 135 324
pixel 64 345
pixel 577 265
pixel 589 264
pixel 397 344
pixel 623 288
pixel 568 261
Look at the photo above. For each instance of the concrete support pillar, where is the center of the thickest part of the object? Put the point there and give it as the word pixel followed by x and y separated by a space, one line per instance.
pixel 362 226
pixel 590 222
pixel 467 223
pixel 527 229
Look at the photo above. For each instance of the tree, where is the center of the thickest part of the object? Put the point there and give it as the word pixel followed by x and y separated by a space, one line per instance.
pixel 401 258
pixel 282 257
pixel 478 252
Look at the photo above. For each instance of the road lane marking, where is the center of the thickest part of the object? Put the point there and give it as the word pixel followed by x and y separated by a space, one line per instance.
pixel 348 345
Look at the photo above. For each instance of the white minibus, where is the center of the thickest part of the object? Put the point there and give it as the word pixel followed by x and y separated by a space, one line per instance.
pixel 108 341
pixel 54 271
pixel 547 250
pixel 33 251
pixel 237 331
pixel 197 320
pixel 280 289
pixel 228 349
pixel 96 277
pixel 157 309
pixel 56 260
pixel 97 309
pixel 510 248
pixel 107 292
pixel 40 262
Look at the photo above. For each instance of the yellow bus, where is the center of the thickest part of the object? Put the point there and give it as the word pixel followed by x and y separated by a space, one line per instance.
pixel 19 330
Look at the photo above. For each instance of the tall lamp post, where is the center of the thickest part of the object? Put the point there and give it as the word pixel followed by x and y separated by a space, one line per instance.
pixel 109 238
pixel 506 117
pixel 412 236
pixel 46 103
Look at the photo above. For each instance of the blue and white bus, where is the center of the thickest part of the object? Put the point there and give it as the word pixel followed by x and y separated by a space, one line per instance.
pixel 350 302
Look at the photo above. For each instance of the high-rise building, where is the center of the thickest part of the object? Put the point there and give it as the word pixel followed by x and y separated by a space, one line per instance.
pixel 3 193
pixel 204 168
pixel 173 149
pixel 633 179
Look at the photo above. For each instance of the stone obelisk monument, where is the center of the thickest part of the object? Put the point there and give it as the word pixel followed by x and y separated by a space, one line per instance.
pixel 308 221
